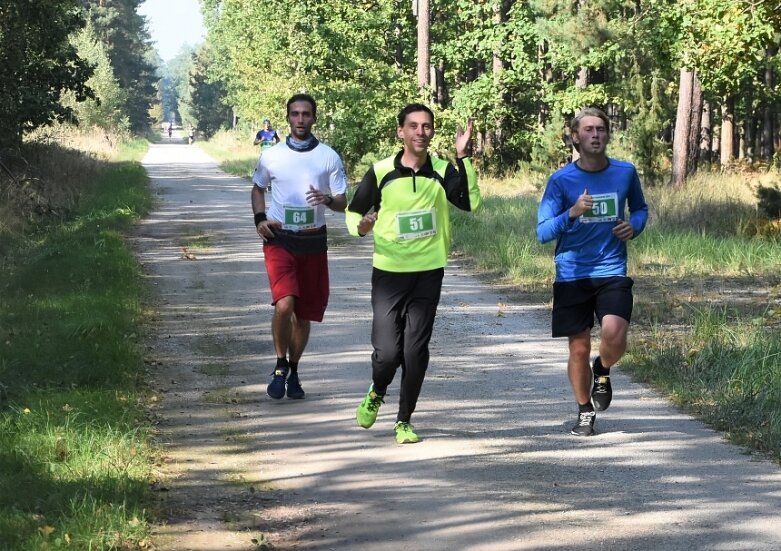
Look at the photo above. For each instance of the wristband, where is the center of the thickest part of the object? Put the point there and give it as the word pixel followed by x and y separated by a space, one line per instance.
pixel 259 217
pixel 330 200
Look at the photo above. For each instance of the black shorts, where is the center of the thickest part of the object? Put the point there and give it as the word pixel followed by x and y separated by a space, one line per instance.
pixel 576 302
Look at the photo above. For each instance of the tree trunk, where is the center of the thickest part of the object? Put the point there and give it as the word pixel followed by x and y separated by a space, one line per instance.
pixel 727 131
pixel 768 130
pixel 706 134
pixel 695 121
pixel 442 97
pixel 424 44
pixel 682 124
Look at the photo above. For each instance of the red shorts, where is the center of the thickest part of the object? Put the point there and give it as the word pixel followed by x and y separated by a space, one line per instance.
pixel 302 276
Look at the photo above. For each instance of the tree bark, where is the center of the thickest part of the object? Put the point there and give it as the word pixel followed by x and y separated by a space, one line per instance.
pixel 682 124
pixel 424 44
pixel 768 130
pixel 706 134
pixel 727 131
pixel 695 121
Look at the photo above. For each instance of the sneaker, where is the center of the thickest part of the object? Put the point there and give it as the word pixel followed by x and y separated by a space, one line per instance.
pixel 294 389
pixel 602 393
pixel 276 388
pixel 405 433
pixel 585 424
pixel 366 414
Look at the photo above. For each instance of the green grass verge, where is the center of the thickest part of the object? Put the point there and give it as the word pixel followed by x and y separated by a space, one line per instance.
pixel 74 453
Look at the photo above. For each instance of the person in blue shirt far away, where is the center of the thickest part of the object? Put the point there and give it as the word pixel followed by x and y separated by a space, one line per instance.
pixel 266 137
pixel 583 209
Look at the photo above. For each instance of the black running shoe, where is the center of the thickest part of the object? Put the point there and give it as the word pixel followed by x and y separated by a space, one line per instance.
pixel 602 393
pixel 294 389
pixel 585 424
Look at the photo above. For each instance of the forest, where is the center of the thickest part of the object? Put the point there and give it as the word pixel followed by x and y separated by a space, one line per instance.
pixel 693 91
pixel 688 84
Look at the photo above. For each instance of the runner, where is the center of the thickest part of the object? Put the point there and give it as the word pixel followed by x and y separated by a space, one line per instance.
pixel 307 177
pixel 404 199
pixel 583 209
pixel 266 137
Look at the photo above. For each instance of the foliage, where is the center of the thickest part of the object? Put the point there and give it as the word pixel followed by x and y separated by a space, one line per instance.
pixel 107 109
pixel 207 97
pixel 38 63
pixel 769 201
pixel 123 31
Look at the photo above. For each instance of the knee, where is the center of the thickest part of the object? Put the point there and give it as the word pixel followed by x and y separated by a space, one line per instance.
pixel 386 359
pixel 285 307
pixel 580 345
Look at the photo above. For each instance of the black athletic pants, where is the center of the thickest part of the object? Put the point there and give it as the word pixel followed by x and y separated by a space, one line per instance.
pixel 404 306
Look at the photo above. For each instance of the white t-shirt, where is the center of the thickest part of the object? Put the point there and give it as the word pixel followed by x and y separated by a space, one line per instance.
pixel 290 173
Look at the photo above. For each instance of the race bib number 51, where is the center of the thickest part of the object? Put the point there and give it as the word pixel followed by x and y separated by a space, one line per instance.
pixel 605 209
pixel 416 224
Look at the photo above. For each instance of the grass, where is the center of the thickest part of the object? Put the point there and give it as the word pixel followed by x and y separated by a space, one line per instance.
pixel 235 152
pixel 75 459
pixel 707 319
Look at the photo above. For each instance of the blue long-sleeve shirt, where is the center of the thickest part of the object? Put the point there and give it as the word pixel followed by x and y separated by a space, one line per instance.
pixel 590 250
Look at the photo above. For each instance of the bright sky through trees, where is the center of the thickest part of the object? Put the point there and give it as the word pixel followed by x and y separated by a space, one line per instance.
pixel 172 24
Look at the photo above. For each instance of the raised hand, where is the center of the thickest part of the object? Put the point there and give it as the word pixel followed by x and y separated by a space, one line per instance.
pixel 463 138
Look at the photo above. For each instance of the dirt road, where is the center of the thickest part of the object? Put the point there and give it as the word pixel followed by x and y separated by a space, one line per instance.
pixel 497 468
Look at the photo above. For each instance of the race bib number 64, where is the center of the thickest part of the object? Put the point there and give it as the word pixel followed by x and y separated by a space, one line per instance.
pixel 299 218
pixel 416 224
pixel 605 209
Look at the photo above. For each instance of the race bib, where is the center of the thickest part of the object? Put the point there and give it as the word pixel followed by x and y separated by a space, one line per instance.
pixel 416 224
pixel 605 209
pixel 299 218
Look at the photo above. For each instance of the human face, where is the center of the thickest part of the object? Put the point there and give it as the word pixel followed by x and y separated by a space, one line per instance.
pixel 416 133
pixel 301 119
pixel 592 136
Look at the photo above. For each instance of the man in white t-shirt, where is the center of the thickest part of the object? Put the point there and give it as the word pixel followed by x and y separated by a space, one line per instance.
pixel 307 177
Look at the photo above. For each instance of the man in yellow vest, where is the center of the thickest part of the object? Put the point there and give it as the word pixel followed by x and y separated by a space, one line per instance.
pixel 404 200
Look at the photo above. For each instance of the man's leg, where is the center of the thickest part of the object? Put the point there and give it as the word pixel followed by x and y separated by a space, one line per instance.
pixel 612 339
pixel 421 312
pixel 578 366
pixel 282 325
pixel 299 338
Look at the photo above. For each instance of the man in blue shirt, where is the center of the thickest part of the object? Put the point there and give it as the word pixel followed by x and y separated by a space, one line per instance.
pixel 583 210
pixel 266 137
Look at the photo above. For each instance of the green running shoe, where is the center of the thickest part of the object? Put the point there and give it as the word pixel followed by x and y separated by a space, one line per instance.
pixel 405 433
pixel 366 414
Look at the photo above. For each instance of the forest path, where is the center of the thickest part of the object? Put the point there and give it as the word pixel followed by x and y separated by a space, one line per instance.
pixel 497 468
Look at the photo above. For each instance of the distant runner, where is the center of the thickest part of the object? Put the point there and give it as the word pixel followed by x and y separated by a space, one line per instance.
pixel 266 137
pixel 583 209
pixel 404 200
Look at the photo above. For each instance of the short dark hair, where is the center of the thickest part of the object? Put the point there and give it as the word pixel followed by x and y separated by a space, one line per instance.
pixel 414 108
pixel 303 97
pixel 574 125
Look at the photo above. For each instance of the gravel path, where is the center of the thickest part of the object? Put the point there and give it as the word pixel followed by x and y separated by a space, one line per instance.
pixel 497 468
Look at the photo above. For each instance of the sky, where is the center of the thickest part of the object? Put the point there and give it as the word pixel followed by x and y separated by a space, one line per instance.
pixel 172 24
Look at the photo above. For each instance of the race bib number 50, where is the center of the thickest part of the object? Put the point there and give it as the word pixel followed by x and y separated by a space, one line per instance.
pixel 299 218
pixel 605 209
pixel 416 224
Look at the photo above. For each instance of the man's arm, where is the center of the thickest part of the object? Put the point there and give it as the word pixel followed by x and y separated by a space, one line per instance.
pixel 461 185
pixel 553 215
pixel 366 198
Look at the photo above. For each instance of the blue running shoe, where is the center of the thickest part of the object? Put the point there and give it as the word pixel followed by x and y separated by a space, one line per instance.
pixel 276 388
